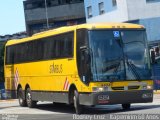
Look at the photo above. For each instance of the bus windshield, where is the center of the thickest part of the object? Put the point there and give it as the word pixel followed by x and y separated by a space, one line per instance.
pixel 120 55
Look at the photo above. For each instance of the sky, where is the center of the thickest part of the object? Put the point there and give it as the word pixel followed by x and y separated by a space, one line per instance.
pixel 11 17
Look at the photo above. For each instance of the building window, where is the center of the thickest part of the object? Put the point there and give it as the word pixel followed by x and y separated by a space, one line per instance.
pixel 101 8
pixel 29 6
pixel 149 1
pixel 114 2
pixel 89 11
pixel 53 2
pixel 41 3
pixel 69 1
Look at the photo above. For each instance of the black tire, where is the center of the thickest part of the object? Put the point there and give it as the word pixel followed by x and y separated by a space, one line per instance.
pixel 126 106
pixel 77 106
pixel 21 98
pixel 30 102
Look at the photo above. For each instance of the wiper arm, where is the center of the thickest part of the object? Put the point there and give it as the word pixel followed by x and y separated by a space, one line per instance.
pixel 116 69
pixel 133 69
pixel 118 65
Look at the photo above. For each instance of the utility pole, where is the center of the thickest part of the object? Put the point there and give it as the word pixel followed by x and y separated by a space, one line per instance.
pixel 46 14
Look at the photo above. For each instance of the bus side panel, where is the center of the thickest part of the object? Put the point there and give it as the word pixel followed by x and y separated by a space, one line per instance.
pixel 48 80
pixel 10 82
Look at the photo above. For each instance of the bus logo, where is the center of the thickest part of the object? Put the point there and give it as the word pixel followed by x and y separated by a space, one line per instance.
pixel 116 34
pixel 66 85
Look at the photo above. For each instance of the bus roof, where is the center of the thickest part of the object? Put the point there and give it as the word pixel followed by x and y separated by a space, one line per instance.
pixel 90 26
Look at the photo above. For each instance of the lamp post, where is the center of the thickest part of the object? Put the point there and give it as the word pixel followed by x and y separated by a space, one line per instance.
pixel 46 14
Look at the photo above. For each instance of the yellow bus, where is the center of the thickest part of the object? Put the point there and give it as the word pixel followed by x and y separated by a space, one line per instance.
pixel 82 65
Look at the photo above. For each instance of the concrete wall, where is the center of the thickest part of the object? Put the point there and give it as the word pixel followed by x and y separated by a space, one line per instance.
pixel 94 3
pixel 62 12
pixel 126 10
pixel 152 27
pixel 140 9
pixel 112 14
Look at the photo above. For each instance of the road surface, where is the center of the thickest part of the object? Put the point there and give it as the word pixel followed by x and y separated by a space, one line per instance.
pixel 10 109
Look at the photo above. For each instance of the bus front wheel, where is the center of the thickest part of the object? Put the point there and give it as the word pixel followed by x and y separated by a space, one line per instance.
pixel 30 102
pixel 78 107
pixel 126 106
pixel 22 101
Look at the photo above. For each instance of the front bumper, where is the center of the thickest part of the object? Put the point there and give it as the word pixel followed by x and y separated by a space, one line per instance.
pixel 118 97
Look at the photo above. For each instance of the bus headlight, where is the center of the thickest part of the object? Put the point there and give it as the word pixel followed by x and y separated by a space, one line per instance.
pixel 147 87
pixel 99 89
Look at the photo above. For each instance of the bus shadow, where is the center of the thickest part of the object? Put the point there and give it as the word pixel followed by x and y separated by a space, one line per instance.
pixel 59 108
pixel 108 109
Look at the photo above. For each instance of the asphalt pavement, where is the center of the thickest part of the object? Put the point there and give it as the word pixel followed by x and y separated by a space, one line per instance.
pixel 10 110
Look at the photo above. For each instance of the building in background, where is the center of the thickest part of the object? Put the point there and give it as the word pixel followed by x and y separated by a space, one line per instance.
pixel 144 12
pixel 13 36
pixel 46 14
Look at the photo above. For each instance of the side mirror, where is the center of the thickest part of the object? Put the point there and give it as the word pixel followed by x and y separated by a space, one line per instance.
pixel 83 48
pixel 86 54
pixel 86 60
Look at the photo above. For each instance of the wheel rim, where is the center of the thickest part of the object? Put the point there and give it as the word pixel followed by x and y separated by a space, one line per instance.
pixel 20 100
pixel 20 97
pixel 28 98
pixel 75 102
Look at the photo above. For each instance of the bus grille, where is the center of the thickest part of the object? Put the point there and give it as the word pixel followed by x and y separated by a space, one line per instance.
pixel 133 87
pixel 118 88
pixel 126 88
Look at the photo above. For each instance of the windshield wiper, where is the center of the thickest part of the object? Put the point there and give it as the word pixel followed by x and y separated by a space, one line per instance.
pixel 133 69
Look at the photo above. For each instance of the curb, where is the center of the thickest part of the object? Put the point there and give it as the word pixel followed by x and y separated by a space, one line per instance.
pixel 8 100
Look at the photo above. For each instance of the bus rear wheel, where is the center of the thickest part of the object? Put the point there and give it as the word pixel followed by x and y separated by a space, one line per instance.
pixel 77 106
pixel 21 98
pixel 30 102
pixel 126 106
